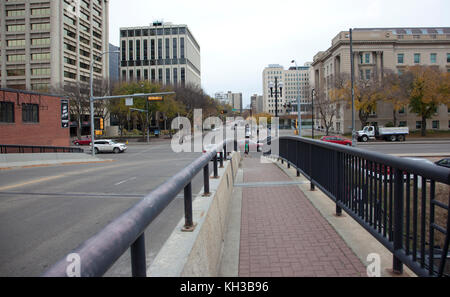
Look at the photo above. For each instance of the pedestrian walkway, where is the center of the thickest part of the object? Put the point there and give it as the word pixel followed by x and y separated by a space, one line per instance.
pixel 283 234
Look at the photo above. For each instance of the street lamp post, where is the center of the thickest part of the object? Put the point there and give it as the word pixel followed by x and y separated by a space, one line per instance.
pixel 352 65
pixel 299 104
pixel 313 93
pixel 91 99
pixel 276 89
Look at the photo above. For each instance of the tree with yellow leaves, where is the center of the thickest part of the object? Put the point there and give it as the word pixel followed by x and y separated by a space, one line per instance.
pixel 429 89
pixel 367 93
pixel 396 90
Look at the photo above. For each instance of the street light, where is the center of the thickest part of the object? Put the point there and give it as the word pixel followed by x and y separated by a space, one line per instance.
pixel 299 126
pixel 313 93
pixel 91 99
pixel 352 65
pixel 276 89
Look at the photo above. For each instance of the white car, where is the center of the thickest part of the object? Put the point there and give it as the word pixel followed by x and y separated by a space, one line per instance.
pixel 109 146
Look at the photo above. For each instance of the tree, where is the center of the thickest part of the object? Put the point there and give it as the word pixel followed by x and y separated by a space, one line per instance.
pixel 79 93
pixel 367 93
pixel 429 89
pixel 396 89
pixel 327 109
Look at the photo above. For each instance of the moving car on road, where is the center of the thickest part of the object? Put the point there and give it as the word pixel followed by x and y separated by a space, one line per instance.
pixel 444 162
pixel 109 146
pixel 337 139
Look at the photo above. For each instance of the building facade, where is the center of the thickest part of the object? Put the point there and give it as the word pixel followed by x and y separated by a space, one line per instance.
pixel 236 101
pixel 257 103
pixel 295 83
pixel 376 51
pixel 47 44
pixel 162 52
pixel 30 118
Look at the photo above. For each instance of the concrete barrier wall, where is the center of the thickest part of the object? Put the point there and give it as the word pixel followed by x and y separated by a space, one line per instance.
pixel 198 253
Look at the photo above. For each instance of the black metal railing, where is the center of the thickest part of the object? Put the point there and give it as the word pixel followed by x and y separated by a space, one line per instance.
pixel 403 203
pixel 101 251
pixel 32 149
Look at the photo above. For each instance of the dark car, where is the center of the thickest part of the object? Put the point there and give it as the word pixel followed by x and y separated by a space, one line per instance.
pixel 444 162
pixel 83 141
pixel 337 139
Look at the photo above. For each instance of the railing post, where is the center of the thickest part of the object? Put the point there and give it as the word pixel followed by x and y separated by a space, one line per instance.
pixel 138 261
pixel 221 159
pixel 312 187
pixel 189 223
pixel 398 219
pixel 216 172
pixel 206 180
pixel 338 174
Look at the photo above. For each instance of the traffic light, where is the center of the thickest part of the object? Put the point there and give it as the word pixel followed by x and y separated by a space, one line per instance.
pixel 101 124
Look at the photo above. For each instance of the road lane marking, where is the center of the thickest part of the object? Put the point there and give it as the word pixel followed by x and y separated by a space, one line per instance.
pixel 124 181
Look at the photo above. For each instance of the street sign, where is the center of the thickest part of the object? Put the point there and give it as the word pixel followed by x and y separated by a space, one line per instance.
pixel 155 98
pixel 65 113
pixel 129 102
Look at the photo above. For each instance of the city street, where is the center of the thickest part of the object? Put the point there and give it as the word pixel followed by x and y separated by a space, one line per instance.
pixel 45 212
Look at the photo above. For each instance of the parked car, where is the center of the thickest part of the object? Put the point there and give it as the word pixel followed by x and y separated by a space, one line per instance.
pixel 82 141
pixel 444 162
pixel 109 146
pixel 337 139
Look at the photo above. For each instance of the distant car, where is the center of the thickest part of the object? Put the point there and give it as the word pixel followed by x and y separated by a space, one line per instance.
pixel 109 146
pixel 337 139
pixel 83 141
pixel 443 163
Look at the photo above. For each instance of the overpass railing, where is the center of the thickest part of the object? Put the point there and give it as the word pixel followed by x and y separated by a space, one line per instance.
pixel 31 149
pixel 403 203
pixel 100 252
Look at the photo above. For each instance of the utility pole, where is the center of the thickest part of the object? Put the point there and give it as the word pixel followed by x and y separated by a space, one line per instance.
pixel 352 63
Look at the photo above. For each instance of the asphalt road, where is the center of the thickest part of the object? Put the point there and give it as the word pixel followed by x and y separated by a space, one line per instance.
pixel 430 147
pixel 46 212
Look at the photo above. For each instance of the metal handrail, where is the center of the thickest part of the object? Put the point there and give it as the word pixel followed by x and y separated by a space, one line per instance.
pixel 375 189
pixel 22 149
pixel 102 250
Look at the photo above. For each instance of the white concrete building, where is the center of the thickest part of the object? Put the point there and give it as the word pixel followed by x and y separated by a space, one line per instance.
pixel 162 52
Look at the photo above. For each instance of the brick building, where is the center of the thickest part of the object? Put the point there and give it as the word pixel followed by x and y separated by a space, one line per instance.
pixel 29 118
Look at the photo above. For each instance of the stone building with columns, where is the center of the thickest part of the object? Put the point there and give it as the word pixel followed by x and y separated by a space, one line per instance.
pixel 375 51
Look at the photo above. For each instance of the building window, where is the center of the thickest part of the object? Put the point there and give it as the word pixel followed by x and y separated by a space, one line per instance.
pixel 145 74
pixel 418 125
pixel 448 58
pixel 124 50
pixel 138 50
pixel 160 75
pixel 435 124
pixel 152 49
pixel 416 58
pixel 183 76
pixel 182 48
pixel 403 124
pixel 153 75
pixel 367 74
pixel 30 113
pixel 6 112
pixel 167 48
pixel 433 58
pixel 145 50
pixel 167 76
pixel 175 56
pixel 402 110
pixel 130 50
pixel 367 58
pixel 175 76
pixel 160 56
pixel 400 58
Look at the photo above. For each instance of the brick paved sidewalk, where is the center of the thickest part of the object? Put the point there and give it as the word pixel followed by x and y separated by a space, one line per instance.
pixel 284 235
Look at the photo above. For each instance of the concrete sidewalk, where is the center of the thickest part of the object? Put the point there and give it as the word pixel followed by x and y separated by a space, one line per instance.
pixel 282 234
pixel 11 161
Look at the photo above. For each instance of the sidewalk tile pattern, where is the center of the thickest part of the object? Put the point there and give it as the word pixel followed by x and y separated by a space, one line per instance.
pixel 283 235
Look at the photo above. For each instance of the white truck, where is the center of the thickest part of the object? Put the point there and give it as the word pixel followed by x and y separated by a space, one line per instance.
pixel 384 133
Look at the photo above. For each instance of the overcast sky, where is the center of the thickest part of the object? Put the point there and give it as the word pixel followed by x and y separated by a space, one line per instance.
pixel 239 38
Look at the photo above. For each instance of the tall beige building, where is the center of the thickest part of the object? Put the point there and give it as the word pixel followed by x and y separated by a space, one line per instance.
pixel 295 83
pixel 376 51
pixel 48 43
